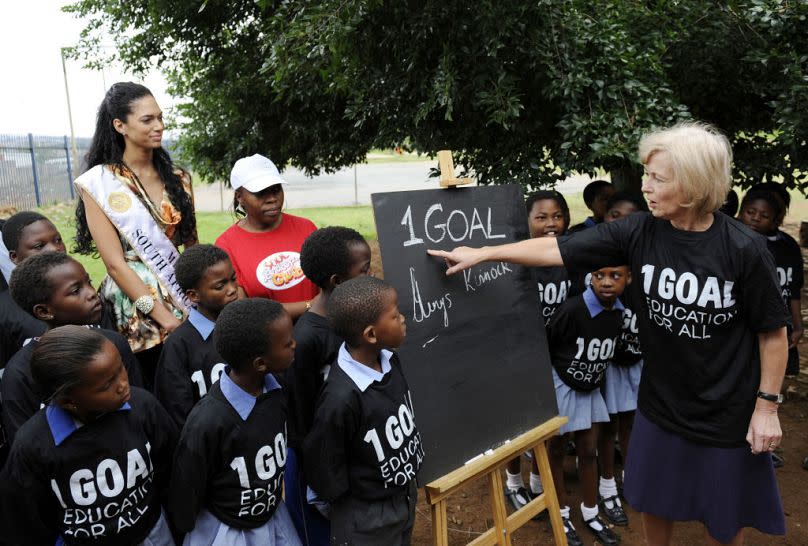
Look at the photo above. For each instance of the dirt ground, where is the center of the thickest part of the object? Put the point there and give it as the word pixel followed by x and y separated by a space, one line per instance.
pixel 469 511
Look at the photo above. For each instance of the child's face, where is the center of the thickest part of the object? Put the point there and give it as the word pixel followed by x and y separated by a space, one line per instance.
pixel 390 328
pixel 601 201
pixel 546 219
pixel 104 384
pixel 216 288
pixel 360 260
pixel 73 299
pixel 609 283
pixel 39 236
pixel 759 215
pixel 619 210
pixel 281 350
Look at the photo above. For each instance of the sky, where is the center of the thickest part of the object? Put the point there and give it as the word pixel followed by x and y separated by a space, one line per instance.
pixel 32 84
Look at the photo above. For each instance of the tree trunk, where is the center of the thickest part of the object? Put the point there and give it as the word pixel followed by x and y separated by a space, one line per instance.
pixel 627 177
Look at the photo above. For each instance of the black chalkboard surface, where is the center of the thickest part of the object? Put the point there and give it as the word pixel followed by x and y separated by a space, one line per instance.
pixel 475 355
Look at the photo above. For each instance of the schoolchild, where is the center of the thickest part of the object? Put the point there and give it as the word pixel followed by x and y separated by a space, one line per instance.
pixel 189 363
pixel 329 256
pixel 596 196
pixel 582 336
pixel 548 215
pixel 363 451
pixel 24 234
pixel 56 289
pixel 91 466
pixel 763 209
pixel 622 382
pixel 6 265
pixel 227 479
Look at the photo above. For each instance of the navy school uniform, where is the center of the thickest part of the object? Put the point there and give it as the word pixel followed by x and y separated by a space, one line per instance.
pixel 789 266
pixel 364 450
pixel 97 483
pixel 20 400
pixel 316 349
pixel 227 479
pixel 189 365
pixel 582 335
pixel 16 326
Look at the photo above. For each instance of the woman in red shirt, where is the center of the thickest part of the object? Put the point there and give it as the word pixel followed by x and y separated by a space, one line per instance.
pixel 264 245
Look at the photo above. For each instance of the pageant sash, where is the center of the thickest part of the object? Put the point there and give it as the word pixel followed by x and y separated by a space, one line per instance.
pixel 130 216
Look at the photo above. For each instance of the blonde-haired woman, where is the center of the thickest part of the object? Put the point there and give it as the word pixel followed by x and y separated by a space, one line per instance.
pixel 713 333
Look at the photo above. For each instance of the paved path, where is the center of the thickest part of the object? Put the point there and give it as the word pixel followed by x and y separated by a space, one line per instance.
pixel 337 189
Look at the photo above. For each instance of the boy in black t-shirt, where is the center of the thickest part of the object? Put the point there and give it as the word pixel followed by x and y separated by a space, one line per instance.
pixel 227 480
pixel 189 363
pixel 56 289
pixel 328 257
pixel 364 450
pixel 581 336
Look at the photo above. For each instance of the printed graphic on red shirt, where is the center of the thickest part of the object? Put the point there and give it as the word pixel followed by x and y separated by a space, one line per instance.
pixel 280 271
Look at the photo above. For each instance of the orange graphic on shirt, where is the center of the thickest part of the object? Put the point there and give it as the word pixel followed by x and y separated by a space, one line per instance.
pixel 280 271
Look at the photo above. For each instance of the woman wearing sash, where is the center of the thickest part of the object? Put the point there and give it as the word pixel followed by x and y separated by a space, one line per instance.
pixel 135 210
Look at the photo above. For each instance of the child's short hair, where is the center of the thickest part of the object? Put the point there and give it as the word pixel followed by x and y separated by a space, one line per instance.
pixel 61 356
pixel 630 197
pixel 730 205
pixel 774 201
pixel 551 195
pixel 325 252
pixel 593 189
pixel 12 229
pixel 241 330
pixel 29 284
pixel 194 262
pixel 778 189
pixel 355 305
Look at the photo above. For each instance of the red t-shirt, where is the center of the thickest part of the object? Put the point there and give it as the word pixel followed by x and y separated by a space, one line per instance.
pixel 268 264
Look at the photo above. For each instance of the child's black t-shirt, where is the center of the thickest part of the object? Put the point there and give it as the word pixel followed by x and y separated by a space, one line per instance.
pixel 364 442
pixel 231 457
pixel 99 483
pixel 628 350
pixel 554 286
pixel 706 296
pixel 788 261
pixel 15 327
pixel 189 365
pixel 582 335
pixel 316 349
pixel 20 399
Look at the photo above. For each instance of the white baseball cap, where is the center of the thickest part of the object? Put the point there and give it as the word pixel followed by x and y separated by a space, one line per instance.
pixel 255 173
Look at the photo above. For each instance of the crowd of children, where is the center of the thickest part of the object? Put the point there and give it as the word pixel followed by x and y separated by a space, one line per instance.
pixel 262 431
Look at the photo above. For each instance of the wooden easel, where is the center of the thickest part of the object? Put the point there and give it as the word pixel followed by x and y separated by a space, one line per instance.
pixel 492 463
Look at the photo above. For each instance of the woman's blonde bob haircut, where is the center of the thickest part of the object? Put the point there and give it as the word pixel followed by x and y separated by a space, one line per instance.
pixel 701 158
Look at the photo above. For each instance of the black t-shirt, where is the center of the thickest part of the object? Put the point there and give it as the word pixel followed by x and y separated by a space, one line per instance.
pixel 363 443
pixel 99 485
pixel 15 327
pixel 229 465
pixel 582 345
pixel 628 350
pixel 20 399
pixel 188 367
pixel 706 296
pixel 554 286
pixel 316 348
pixel 788 261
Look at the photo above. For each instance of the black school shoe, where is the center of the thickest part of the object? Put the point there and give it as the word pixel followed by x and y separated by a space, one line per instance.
pixel 572 535
pixel 605 536
pixel 518 497
pixel 616 515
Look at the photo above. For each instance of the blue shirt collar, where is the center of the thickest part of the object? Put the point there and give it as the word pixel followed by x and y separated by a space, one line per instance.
pixel 62 424
pixel 202 323
pixel 590 222
pixel 363 376
pixel 242 401
pixel 593 303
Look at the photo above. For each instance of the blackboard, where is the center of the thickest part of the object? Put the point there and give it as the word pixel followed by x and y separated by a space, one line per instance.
pixel 475 355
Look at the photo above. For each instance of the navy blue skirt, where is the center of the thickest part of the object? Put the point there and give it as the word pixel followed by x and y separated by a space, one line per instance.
pixel 725 488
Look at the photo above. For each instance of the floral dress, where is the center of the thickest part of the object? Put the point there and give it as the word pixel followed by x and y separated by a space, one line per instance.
pixel 140 330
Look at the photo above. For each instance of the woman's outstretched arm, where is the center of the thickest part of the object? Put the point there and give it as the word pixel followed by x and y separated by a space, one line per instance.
pixel 542 251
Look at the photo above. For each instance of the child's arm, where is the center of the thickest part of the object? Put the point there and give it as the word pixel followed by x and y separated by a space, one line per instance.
pixel 20 401
pixel 796 320
pixel 172 384
pixel 162 434
pixel 325 449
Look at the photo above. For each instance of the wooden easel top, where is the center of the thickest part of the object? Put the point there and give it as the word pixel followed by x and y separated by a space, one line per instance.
pixel 447 177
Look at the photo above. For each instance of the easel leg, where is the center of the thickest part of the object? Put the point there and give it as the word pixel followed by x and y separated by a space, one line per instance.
pixel 498 505
pixel 543 461
pixel 440 529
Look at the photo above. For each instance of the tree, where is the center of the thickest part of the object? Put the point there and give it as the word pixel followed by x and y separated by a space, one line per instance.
pixel 525 91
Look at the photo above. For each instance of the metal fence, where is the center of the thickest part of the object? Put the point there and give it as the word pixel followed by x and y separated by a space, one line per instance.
pixel 37 170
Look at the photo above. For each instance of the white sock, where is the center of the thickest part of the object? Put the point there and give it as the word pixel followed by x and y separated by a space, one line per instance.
pixel 535 484
pixel 589 513
pixel 608 488
pixel 565 512
pixel 514 481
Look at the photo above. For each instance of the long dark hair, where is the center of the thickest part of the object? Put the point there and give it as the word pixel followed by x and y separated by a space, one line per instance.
pixel 107 149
